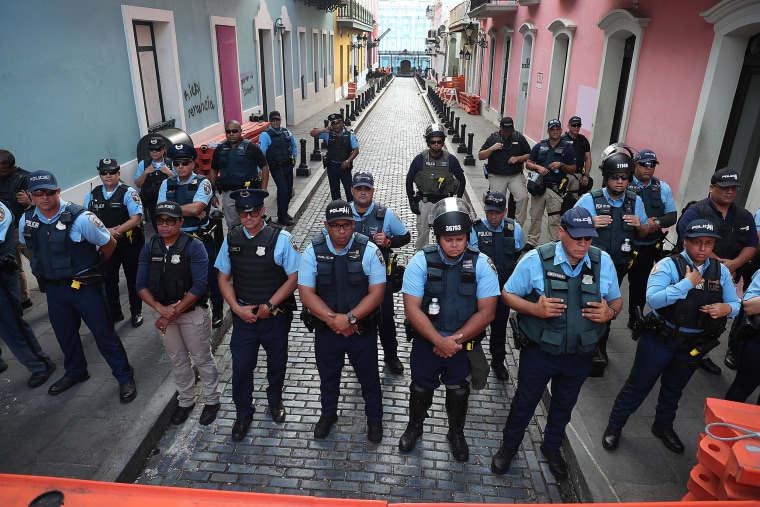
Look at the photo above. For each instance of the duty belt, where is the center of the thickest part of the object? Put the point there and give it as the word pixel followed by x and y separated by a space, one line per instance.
pixel 433 197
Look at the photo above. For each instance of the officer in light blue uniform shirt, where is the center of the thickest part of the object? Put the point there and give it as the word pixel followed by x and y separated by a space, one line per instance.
pixel 748 348
pixel 151 172
pixel 281 149
pixel 342 149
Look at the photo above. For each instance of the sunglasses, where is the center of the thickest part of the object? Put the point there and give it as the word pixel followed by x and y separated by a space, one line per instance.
pixel 244 214
pixel 336 122
pixel 183 163
pixel 232 131
pixel 44 191
pixel 583 238
pixel 436 142
pixel 577 125
pixel 155 149
pixel 650 165
pixel 618 177
pixel 109 173
pixel 167 221
pixel 345 227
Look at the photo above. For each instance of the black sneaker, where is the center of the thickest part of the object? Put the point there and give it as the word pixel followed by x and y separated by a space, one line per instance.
pixel 240 428
pixel 217 315
pixel 394 365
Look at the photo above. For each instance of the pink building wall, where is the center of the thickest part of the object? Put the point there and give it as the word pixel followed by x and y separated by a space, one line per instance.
pixel 668 79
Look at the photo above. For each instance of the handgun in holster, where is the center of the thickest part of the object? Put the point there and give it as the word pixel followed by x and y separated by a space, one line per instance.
pixel 307 319
pixel 411 333
pixel 520 339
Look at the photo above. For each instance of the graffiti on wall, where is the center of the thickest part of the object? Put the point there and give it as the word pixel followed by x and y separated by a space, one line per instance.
pixel 193 92
pixel 247 83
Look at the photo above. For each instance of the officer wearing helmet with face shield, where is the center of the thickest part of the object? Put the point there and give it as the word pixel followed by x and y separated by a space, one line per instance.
pixel 618 213
pixel 450 292
pixel 437 174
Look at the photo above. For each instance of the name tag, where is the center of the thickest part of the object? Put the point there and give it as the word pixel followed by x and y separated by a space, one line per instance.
pixel 556 276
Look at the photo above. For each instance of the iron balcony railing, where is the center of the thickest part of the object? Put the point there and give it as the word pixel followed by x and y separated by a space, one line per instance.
pixel 356 12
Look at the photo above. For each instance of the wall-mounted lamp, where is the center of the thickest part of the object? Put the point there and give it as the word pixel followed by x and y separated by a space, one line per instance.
pixel 470 34
pixel 279 27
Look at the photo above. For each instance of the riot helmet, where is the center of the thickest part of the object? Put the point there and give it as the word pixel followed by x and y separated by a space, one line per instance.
pixel 451 216
pixel 617 158
pixel 435 130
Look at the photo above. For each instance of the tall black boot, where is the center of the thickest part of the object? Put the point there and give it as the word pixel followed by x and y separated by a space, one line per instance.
pixel 456 408
pixel 420 399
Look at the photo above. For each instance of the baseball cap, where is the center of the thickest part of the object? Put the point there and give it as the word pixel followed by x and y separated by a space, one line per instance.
pixel 108 164
pixel 338 210
pixel 701 228
pixel 575 121
pixel 554 123
pixel 41 180
pixel 507 123
pixel 248 200
pixel 182 150
pixel 579 223
pixel 274 115
pixel 725 178
pixel 170 209
pixel 495 201
pixel 646 156
pixel 363 179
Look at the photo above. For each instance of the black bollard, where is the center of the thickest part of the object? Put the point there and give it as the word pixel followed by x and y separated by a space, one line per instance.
pixel 450 122
pixel 462 148
pixel 455 138
pixel 316 154
pixel 347 116
pixel 357 107
pixel 303 169
pixel 469 159
pixel 352 117
pixel 324 143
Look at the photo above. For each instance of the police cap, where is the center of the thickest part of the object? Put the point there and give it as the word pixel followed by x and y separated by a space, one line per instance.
pixel 725 178
pixel 338 210
pixel 274 115
pixel 249 200
pixel 700 228
pixel 156 143
pixel 108 164
pixel 553 123
pixel 507 123
pixel 495 201
pixel 182 150
pixel 578 223
pixel 646 156
pixel 363 179
pixel 335 117
pixel 575 121
pixel 170 209
pixel 39 180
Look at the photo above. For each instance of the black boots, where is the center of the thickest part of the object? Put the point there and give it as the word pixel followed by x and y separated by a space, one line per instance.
pixel 420 399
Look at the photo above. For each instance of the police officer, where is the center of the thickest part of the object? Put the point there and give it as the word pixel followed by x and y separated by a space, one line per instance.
pixel 564 293
pixel 263 262
pixel 553 159
pixel 64 238
pixel 120 209
pixel 618 214
pixel 437 174
pixel 579 183
pixel 506 151
pixel 14 194
pixel 236 163
pixel 341 281
pixel 194 192
pixel 342 149
pixel 386 230
pixel 501 239
pixel 748 357
pixel 281 150
pixel 151 172
pixel 171 279
pixel 15 331
pixel 691 294
pixel 735 225
pixel 661 212
pixel 450 292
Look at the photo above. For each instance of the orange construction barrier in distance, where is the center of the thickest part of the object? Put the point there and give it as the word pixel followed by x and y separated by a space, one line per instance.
pixel 351 90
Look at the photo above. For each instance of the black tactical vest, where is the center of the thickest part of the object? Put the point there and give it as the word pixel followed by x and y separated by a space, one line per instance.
pixel 654 206
pixel 499 246
pixel 184 194
pixel 548 155
pixel 113 211
pixel 733 236
pixel 685 312
pixel 498 161
pixel 341 282
pixel 280 149
pixel 614 235
pixel 255 275
pixel 169 274
pixel 152 184
pixel 372 223
pixel 9 187
pixel 455 286
pixel 339 146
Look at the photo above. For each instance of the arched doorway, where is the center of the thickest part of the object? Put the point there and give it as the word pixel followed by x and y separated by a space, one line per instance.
pixel 528 31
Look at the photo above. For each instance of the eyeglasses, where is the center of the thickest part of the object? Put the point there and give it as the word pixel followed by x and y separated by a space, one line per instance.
pixel 337 227
pixel 274 120
pixel 701 244
pixel 109 173
pixel 650 165
pixel 44 191
pixel 617 177
pixel 167 221
pixel 155 149
pixel 440 141
pixel 232 131
pixel 183 163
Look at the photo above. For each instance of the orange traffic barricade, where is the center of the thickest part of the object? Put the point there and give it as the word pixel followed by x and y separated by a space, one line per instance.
pixel 351 90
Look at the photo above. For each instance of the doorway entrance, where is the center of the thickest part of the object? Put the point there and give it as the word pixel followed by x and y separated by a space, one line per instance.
pixel 226 44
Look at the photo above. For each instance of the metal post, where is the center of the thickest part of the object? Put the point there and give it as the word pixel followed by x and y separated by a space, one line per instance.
pixel 324 143
pixel 450 122
pixel 316 154
pixel 462 148
pixel 455 138
pixel 469 159
pixel 346 117
pixel 303 169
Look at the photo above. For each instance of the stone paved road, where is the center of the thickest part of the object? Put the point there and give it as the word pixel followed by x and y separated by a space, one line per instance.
pixel 284 458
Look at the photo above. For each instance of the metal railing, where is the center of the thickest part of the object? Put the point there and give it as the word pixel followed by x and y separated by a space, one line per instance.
pixel 474 4
pixel 357 12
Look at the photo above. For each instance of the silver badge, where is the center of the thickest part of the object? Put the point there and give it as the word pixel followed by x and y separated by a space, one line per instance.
pixel 60 226
pixel 175 259
pixel 261 251
pixel 587 280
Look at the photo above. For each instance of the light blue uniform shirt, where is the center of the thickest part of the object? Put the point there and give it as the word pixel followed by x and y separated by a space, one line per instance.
pixel 285 254
pixel 325 136
pixel 586 201
pixel 519 238
pixel 665 287
pixel 204 195
pixel 392 225
pixel 141 168
pixel 5 222
pixel 667 198
pixel 265 141
pixel 86 227
pixel 529 273
pixel 754 288
pixel 371 264
pixel 757 220
pixel 416 273
pixel 131 200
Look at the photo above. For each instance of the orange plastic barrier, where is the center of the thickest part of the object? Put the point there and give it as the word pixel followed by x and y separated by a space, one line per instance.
pixel 453 82
pixel 469 102
pixel 251 130
pixel 351 90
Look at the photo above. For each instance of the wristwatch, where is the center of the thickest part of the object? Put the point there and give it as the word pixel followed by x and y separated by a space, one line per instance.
pixel 351 318
pixel 272 308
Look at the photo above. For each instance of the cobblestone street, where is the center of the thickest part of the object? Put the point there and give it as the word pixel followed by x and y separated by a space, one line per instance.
pixel 284 458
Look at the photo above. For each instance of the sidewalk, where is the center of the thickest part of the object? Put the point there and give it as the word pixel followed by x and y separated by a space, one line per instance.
pixel 86 433
pixel 641 469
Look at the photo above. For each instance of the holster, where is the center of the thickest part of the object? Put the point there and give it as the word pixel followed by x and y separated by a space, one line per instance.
pixel 519 338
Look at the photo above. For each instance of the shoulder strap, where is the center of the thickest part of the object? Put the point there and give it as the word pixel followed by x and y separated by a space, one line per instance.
pixel 547 250
pixel 680 263
pixel 630 195
pixel 472 250
pixel 319 239
pixel 380 211
pixel 594 255
pixel 360 238
pixel 430 248
pixel 597 193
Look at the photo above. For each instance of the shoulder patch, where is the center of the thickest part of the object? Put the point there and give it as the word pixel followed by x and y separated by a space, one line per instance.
pixel 493 266
pixel 2 214
pixel 95 221
pixel 655 269
pixel 293 243
pixel 396 215
pixel 207 187
pixel 380 257
pixel 135 197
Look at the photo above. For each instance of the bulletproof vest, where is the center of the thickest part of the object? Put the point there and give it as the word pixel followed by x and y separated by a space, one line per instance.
pixel 113 211
pixel 279 150
pixel 435 178
pixel 371 223
pixel 498 161
pixel 579 147
pixel 235 170
pixel 733 236
pixel 341 282
pixel 8 245
pixel 571 332
pixel 685 312
pixel 169 274
pixel 654 206
pixel 614 235
pixel 255 275
pixel 152 184
pixel 548 155
pixel 339 146
pixel 184 194
pixel 56 256
pixel 9 187
pixel 455 286
pixel 499 246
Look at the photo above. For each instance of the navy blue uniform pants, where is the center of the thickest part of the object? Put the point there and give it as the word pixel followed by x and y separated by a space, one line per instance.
pixel 336 177
pixel 330 350
pixel 67 308
pixel 272 334
pixel 498 338
pixel 567 374
pixel 638 276
pixel 283 178
pixel 15 331
pixel 388 326
pixel 213 281
pixel 748 374
pixel 622 270
pixel 125 255
pixel 150 209
pixel 655 358
pixel 430 370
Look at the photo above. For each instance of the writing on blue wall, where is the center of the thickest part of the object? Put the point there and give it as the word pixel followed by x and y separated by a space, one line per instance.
pixel 192 91
pixel 246 83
